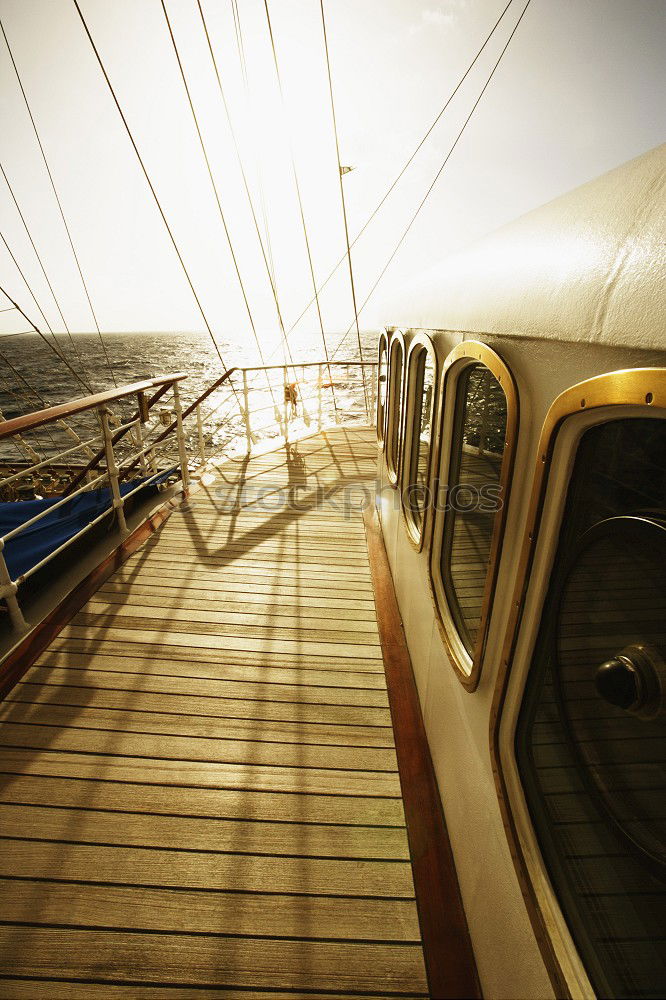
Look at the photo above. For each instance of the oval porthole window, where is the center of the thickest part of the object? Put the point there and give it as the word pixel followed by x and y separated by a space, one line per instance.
pixel 610 658
pixel 421 382
pixel 590 740
pixel 394 422
pixel 473 496
pixel 382 376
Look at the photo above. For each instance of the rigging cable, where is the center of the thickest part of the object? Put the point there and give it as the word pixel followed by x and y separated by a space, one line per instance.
pixel 53 345
pixel 301 210
pixel 266 251
pixel 344 207
pixel 244 73
pixel 23 447
pixel 60 208
pixel 408 163
pixel 150 185
pixel 26 388
pixel 25 394
pixel 36 329
pixel 438 174
pixel 243 64
pixel 26 283
pixel 217 196
pixel 43 269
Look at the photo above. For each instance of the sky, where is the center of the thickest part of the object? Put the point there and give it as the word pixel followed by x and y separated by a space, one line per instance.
pixel 579 90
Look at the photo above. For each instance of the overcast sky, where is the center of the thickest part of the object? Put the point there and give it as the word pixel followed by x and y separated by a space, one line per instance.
pixel 580 90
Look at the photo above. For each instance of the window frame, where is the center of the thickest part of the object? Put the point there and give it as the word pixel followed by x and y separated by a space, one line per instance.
pixel 382 409
pixel 394 418
pixel 466 355
pixel 632 392
pixel 419 343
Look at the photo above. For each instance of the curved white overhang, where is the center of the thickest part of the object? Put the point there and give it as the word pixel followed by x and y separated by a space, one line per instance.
pixel 588 267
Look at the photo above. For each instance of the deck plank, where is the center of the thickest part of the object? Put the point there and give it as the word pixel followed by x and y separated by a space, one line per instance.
pixel 198 782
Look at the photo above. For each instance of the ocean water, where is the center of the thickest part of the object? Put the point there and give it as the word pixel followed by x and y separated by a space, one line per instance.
pixel 32 377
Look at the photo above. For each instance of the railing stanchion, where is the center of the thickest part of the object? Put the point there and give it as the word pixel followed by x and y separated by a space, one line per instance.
pixel 285 392
pixel 319 399
pixel 373 397
pixel 180 434
pixel 200 437
pixel 8 590
pixel 246 412
pixel 139 440
pixel 112 469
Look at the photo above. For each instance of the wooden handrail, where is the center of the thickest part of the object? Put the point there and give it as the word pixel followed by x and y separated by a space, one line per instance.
pixel 309 364
pixel 190 409
pixel 97 458
pixel 28 422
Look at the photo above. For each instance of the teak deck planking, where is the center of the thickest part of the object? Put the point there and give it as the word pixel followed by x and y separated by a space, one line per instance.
pixel 199 784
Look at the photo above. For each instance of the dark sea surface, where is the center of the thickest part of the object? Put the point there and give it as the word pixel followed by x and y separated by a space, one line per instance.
pixel 32 377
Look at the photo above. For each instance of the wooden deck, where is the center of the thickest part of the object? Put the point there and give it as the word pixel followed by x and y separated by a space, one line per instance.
pixel 199 793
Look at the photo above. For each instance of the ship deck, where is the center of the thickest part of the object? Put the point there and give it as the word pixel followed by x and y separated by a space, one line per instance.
pixel 199 788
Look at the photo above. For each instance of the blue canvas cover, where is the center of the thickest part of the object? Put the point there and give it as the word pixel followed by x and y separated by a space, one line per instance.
pixel 44 537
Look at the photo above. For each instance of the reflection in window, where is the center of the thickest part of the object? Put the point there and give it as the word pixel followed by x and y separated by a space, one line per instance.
pixel 395 406
pixel 423 395
pixel 473 496
pixel 590 743
pixel 381 394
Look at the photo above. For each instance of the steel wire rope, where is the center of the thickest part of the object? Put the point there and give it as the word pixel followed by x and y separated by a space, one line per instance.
pixel 26 390
pixel 266 251
pixel 152 189
pixel 40 333
pixel 26 283
pixel 53 346
pixel 244 73
pixel 62 213
pixel 407 164
pixel 46 277
pixel 300 207
pixel 344 207
pixel 437 175
pixel 16 439
pixel 217 196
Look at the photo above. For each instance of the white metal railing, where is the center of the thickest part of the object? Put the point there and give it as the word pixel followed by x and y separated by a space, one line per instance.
pixel 168 433
pixel 275 403
pixel 109 460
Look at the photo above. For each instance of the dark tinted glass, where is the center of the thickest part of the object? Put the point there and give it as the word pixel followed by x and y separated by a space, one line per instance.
pixel 473 496
pixel 424 394
pixel 590 742
pixel 395 405
pixel 382 375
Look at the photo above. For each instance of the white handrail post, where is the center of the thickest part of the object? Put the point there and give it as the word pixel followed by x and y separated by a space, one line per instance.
pixel 373 396
pixel 246 414
pixel 319 399
pixel 200 436
pixel 8 591
pixel 180 434
pixel 286 404
pixel 140 441
pixel 112 469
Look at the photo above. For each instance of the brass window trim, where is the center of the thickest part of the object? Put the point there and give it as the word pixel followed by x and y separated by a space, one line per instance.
pixel 643 389
pixel 463 356
pixel 419 342
pixel 382 408
pixel 394 420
